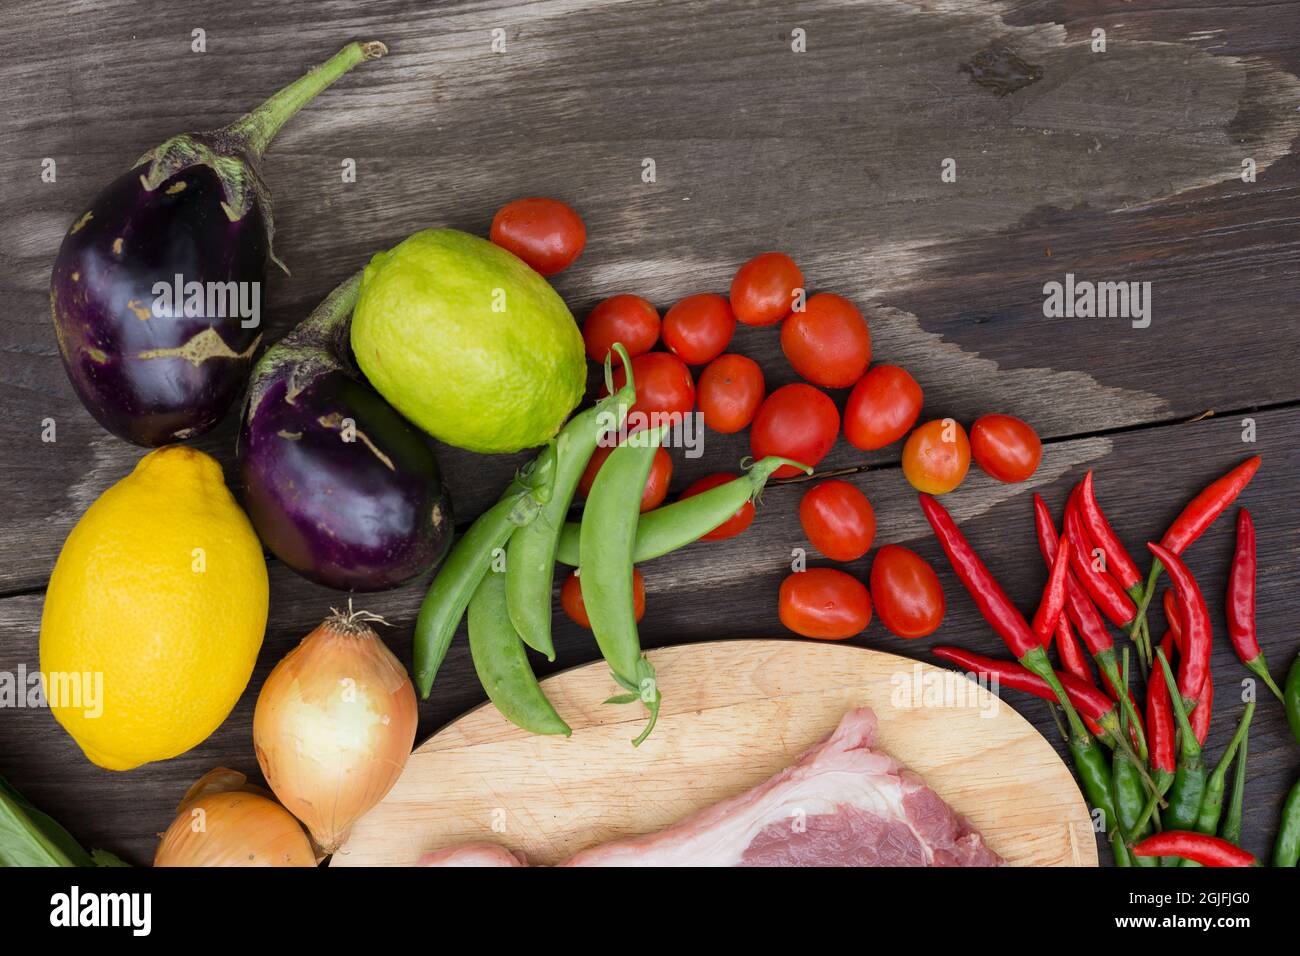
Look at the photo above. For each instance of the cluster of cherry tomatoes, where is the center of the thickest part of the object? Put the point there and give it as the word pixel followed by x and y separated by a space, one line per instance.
pixel 828 343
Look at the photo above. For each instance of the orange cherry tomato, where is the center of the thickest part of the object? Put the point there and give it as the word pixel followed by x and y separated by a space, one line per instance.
pixel 731 389
pixel 571 598
pixel 663 383
pixel 838 520
pixel 884 404
pixel 906 592
pixel 828 342
pixel 796 422
pixel 628 319
pixel 546 233
pixel 699 327
pixel 824 603
pixel 1005 447
pixel 656 483
pixel 936 456
pixel 764 288
pixel 734 525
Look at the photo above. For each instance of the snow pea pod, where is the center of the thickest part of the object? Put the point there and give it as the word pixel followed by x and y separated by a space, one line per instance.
pixel 530 556
pixel 676 525
pixel 501 661
pixel 459 576
pixel 608 534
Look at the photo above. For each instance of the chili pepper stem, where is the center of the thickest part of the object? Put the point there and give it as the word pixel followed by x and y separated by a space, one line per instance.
pixel 1260 670
pixel 1187 743
pixel 1143 602
pixel 1106 661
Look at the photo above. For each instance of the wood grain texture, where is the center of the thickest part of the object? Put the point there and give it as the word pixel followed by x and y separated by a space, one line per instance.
pixel 735 713
pixel 1114 166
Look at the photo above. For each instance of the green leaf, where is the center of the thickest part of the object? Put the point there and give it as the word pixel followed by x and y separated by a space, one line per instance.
pixel 104 858
pixel 29 837
pixel 623 698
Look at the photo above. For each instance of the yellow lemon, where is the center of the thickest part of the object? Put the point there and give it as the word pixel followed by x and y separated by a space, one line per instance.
pixel 155 612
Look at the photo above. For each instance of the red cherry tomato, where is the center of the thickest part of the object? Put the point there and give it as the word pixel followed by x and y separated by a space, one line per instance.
pixel 734 525
pixel 663 383
pixel 936 456
pixel 628 319
pixel 731 389
pixel 545 233
pixel 656 483
pixel 825 603
pixel 699 327
pixel 828 342
pixel 571 598
pixel 838 520
pixel 906 592
pixel 1005 447
pixel 764 288
pixel 884 404
pixel 797 422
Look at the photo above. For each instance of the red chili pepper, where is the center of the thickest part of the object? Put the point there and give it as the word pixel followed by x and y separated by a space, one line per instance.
pixel 1091 703
pixel 992 601
pixel 1101 587
pixel 1082 613
pixel 1071 654
pixel 1200 847
pixel 1118 562
pixel 1174 616
pixel 1053 600
pixel 1194 663
pixel 1200 716
pixel 1208 505
pixel 1241 603
pixel 1160 721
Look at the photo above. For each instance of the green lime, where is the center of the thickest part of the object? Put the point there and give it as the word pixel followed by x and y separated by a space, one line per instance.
pixel 468 342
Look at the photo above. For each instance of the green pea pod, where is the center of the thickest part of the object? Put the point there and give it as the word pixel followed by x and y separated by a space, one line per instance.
pixel 1185 795
pixel 502 662
pixel 1095 777
pixel 1216 784
pixel 1286 848
pixel 470 557
pixel 1231 829
pixel 674 526
pixel 530 556
pixel 609 522
pixel 1292 694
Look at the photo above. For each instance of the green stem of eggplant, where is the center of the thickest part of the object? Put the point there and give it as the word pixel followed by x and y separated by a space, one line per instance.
pixel 256 129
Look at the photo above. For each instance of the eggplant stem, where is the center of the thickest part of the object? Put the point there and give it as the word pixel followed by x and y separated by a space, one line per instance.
pixel 255 130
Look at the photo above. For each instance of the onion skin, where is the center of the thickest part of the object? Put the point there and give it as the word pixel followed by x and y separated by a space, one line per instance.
pixel 360 515
pixel 240 827
pixel 334 726
pixel 126 364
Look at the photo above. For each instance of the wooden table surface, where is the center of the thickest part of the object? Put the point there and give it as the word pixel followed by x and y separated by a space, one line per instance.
pixel 1122 165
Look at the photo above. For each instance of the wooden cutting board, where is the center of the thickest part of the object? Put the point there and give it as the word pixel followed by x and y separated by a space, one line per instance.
pixel 734 713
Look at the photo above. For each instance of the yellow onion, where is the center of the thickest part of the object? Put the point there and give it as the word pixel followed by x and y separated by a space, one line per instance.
pixel 334 725
pixel 225 821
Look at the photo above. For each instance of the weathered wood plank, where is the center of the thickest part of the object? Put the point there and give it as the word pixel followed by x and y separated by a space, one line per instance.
pixel 728 589
pixel 830 153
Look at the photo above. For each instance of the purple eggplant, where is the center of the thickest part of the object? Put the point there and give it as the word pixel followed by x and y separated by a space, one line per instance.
pixel 156 291
pixel 339 485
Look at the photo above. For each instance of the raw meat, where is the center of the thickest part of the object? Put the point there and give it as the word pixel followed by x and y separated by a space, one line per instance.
pixel 473 854
pixel 841 804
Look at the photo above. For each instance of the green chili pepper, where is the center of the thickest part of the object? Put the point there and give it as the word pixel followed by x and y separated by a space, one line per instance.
pixel 1292 698
pixel 530 556
pixel 1189 778
pixel 470 557
pixel 1095 777
pixel 1286 849
pixel 502 662
pixel 1212 800
pixel 1128 792
pixel 676 525
pixel 609 522
pixel 1231 829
